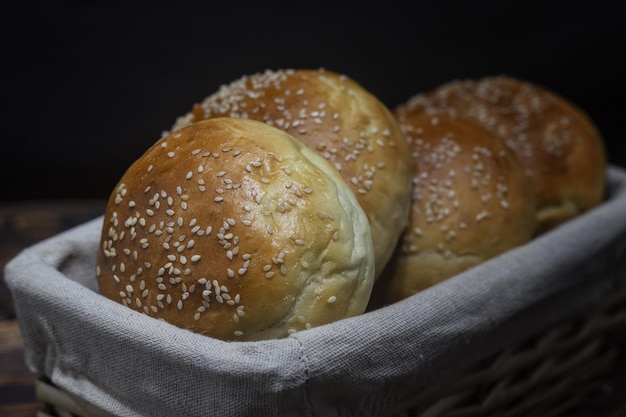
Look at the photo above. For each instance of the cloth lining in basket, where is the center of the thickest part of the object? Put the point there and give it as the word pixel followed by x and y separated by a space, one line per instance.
pixel 132 365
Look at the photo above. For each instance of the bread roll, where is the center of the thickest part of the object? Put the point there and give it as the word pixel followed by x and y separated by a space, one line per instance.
pixel 234 229
pixel 471 202
pixel 558 144
pixel 340 120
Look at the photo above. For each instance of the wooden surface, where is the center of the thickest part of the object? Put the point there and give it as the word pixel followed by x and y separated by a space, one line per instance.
pixel 21 225
pixel 25 223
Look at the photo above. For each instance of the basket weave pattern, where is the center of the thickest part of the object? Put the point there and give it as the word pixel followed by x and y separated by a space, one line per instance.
pixel 545 376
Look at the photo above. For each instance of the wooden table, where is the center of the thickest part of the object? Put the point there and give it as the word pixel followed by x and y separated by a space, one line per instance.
pixel 25 223
pixel 21 225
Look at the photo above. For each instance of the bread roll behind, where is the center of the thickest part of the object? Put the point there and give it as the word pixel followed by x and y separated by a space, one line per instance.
pixel 340 120
pixel 234 229
pixel 471 202
pixel 559 146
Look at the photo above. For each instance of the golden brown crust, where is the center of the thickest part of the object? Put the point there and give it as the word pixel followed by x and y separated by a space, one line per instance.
pixel 471 202
pixel 558 144
pixel 340 120
pixel 234 229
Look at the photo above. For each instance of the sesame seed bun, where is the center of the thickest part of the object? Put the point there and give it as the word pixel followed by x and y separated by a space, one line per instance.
pixel 561 149
pixel 340 120
pixel 234 229
pixel 471 202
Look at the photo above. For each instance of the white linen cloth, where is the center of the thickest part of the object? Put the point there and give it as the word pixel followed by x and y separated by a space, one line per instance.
pixel 130 364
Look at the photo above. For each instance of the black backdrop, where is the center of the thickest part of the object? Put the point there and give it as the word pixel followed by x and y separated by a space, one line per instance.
pixel 88 86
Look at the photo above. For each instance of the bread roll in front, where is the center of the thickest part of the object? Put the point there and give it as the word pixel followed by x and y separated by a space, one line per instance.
pixel 340 120
pixel 234 229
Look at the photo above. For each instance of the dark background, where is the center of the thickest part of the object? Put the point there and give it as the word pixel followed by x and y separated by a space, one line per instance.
pixel 88 86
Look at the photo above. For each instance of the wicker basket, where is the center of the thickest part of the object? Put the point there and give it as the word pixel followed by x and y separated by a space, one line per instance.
pixel 547 375
pixel 548 348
